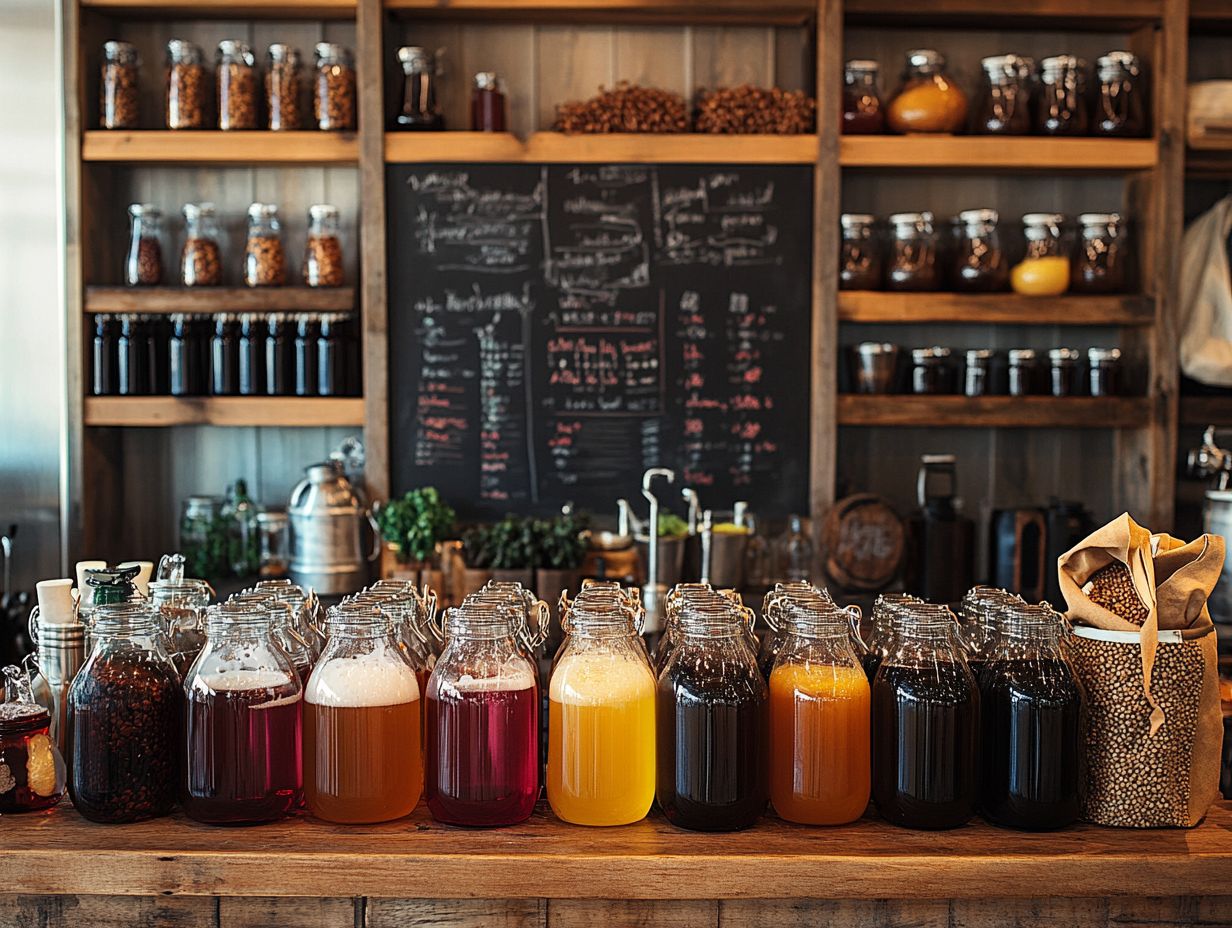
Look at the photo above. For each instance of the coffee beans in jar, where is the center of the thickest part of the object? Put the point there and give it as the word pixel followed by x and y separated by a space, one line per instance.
pixel 200 261
pixel 283 87
pixel 1113 588
pixel 235 74
pixel 265 263
pixel 333 98
pixel 627 108
pixel 118 100
pixel 186 86
pixel 750 109
pixel 323 252
pixel 143 266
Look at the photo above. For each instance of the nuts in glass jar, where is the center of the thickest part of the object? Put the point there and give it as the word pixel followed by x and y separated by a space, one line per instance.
pixel 200 260
pixel 333 100
pixel 186 88
pixel 283 88
pixel 323 251
pixel 118 101
pixel 265 263
pixel 143 266
pixel 236 77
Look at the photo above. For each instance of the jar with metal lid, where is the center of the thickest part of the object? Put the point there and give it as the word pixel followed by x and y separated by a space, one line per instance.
pixel 143 266
pixel 119 103
pixel 860 264
pixel 487 104
pixel 980 262
pixel 186 86
pixel 772 611
pixel 1024 378
pixel 881 629
pixel 307 362
pixel 1044 269
pixel 235 74
pixel 862 109
pixel 978 613
pixel 912 263
pixel 694 594
pixel 180 603
pixel 283 87
pixel 323 249
pixel 1061 98
pixel 1105 371
pixel 1120 105
pixel 1101 264
pixel 200 258
pixel 977 372
pixel 333 98
pixel 876 367
pixel 32 772
pixel 265 263
pixel 272 528
pixel 928 100
pixel 932 374
pixel 419 110
pixel 1004 104
pixel 1065 372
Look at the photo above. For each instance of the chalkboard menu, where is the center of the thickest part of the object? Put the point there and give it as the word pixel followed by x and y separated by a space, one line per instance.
pixel 558 329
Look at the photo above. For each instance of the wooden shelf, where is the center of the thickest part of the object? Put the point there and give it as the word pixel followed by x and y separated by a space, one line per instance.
pixel 1035 14
pixel 418 858
pixel 226 9
pixel 161 411
pixel 993 308
pixel 992 153
pixel 1205 14
pixel 1209 163
pixel 162 146
pixel 1202 411
pixel 219 299
pixel 993 411
pixel 781 12
pixel 549 147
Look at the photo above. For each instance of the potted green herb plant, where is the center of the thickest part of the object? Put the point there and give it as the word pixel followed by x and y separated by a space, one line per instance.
pixel 476 560
pixel 513 550
pixel 411 527
pixel 561 548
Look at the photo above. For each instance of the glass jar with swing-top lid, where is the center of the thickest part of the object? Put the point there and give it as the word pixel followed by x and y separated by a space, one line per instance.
pixel 32 772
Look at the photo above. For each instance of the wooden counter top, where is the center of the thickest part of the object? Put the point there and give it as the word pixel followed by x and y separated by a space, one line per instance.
pixel 61 853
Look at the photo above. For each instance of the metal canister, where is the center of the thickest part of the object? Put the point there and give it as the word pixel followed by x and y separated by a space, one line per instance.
pixel 327 521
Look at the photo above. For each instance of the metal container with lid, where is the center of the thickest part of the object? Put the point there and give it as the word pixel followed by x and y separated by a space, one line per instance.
pixel 327 519
pixel 1065 377
pixel 1104 365
pixel 932 373
pixel 976 373
pixel 1022 373
pixel 876 364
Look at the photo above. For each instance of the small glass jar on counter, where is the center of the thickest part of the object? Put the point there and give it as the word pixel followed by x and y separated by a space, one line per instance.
pixel 862 110
pixel 32 773
pixel 912 264
pixel 1061 98
pixel 186 86
pixel 487 104
pixel 977 372
pixel 876 367
pixel 1101 262
pixel 235 75
pixel 1004 104
pixel 273 530
pixel 265 262
pixel 323 249
pixel 143 266
pixel 283 88
pixel 860 265
pixel 119 101
pixel 1024 376
pixel 180 603
pixel 1104 368
pixel 980 262
pixel 928 100
pixel 419 109
pixel 333 98
pixel 201 258
pixel 932 373
pixel 1044 269
pixel 125 715
pixel 1065 367
pixel 1120 104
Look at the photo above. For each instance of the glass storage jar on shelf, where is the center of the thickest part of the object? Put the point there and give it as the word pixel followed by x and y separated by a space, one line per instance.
pixel 1104 367
pixel 928 100
pixel 977 372
pixel 1120 101
pixel 323 249
pixel 1061 97
pixel 1024 373
pixel 333 97
pixel 419 110
pixel 1003 106
pixel 487 104
pixel 912 263
pixel 265 262
pixel 119 100
pixel 283 88
pixel 978 614
pixel 125 719
pixel 862 110
pixel 186 86
pixel 32 772
pixel 876 367
pixel 980 263
pixel 272 530
pixel 1065 372
pixel 932 372
pixel 143 266
pixel 1045 269
pixel 1101 264
pixel 243 723
pixel 235 75
pixel 201 257
pixel 860 263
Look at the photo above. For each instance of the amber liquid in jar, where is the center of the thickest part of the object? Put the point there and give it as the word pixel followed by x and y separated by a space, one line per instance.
pixel 862 110
pixel 912 262
pixel 860 263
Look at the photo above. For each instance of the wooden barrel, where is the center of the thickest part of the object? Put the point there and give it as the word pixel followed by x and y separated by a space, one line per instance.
pixel 862 542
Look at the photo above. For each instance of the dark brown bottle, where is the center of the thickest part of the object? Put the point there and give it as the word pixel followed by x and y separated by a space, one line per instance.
pixel 862 110
pixel 251 356
pixel 225 357
pixel 307 332
pixel 279 356
pixel 132 358
pixel 105 357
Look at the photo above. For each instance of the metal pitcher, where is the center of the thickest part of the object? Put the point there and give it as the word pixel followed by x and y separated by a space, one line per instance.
pixel 327 524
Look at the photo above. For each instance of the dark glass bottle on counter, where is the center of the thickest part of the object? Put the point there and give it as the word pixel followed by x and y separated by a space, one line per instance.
pixel 1031 740
pixel 1101 262
pixel 105 357
pixel 1065 372
pixel 980 262
pixel 419 110
pixel 1061 104
pixel 279 356
pixel 132 358
pixel 925 723
pixel 912 263
pixel 862 110
pixel 307 334
pixel 860 264
pixel 1004 103
pixel 252 356
pixel 1105 371
pixel 713 724
pixel 225 356
pixel 1120 104
pixel 487 104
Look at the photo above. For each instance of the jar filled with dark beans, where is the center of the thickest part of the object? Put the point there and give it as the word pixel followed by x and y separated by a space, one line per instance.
pixel 1061 104
pixel 200 259
pixel 1120 103
pixel 283 87
pixel 118 96
pixel 1101 262
pixel 859 265
pixel 186 86
pixel 1105 371
pixel 932 373
pixel 124 717
pixel 1023 372
pixel 143 266
pixel 1065 372
pixel 265 263
pixel 333 98
pixel 912 264
pixel 235 73
pixel 323 250
pixel 977 372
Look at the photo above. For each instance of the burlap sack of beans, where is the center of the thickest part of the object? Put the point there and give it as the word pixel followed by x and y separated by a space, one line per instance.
pixel 1153 769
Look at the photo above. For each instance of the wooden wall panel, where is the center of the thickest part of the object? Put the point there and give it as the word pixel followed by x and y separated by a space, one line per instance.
pixel 572 62
pixel 586 913
pixel 108 911
pixel 455 913
pixel 838 913
pixel 289 912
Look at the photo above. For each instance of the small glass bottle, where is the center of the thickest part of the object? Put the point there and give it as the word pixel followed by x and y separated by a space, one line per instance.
pixel 125 719
pixel 333 98
pixel 307 336
pixel 323 250
pixel 862 110
pixel 265 262
pixel 362 692
pixel 419 110
pixel 487 104
pixel 186 86
pixel 1105 371
pixel 143 266
pixel 1024 379
pixel 1004 104
pixel 235 73
pixel 105 357
pixel 251 355
pixel 980 262
pixel 925 725
pixel 1061 104
pixel 928 99
pixel 200 259
pixel 913 253
pixel 197 517
pixel 977 374
pixel 1101 264
pixel 1065 372
pixel 279 356
pixel 132 357
pixel 860 264
pixel 1044 270
pixel 239 521
pixel 273 529
pixel 795 551
pixel 1120 105
pixel 932 372
pixel 330 373
pixel 119 102
pixel 225 356
pixel 283 88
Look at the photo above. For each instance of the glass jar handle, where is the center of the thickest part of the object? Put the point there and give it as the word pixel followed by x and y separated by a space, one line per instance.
pixel 427 604
pixel 376 536
pixel 854 615
pixel 32 625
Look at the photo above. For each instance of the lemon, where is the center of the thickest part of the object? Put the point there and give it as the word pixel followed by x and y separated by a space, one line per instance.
pixel 41 766
pixel 1041 276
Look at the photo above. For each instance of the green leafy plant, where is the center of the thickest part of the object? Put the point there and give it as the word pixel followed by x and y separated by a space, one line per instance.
pixel 477 547
pixel 415 523
pixel 672 526
pixel 561 542
pixel 512 543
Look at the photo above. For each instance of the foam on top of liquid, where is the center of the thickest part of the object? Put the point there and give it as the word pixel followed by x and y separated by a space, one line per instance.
pixel 509 680
pixel 379 679
pixel 592 679
pixel 244 679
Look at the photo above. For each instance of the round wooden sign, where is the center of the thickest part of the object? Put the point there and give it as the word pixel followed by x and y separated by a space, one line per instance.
pixel 862 540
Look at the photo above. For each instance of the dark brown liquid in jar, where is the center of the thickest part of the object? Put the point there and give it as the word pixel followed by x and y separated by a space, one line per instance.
pixel 860 264
pixel 913 258
pixel 1061 108
pixel 1005 100
pixel 1120 108
pixel 1100 263
pixel 980 264
pixel 862 110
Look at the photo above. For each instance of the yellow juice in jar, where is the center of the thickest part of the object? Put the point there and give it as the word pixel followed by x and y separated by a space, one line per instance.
pixel 601 739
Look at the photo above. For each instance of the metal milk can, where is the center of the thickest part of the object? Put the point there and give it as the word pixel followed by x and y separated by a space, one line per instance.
pixel 328 520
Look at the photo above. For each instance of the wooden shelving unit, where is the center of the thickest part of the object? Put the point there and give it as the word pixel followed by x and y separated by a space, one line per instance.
pixel 1209 163
pixel 993 308
pixel 1018 14
pixel 1080 412
pixel 977 153
pixel 219 299
pixel 1202 411
pixel 282 411
pixel 776 12
pixel 230 9
pixel 157 146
